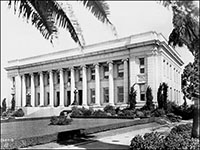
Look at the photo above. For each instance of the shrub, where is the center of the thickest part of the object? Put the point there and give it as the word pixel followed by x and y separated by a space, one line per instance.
pixel 109 109
pixel 162 96
pixel 149 99
pixel 13 103
pixel 18 113
pixel 87 112
pixel 139 114
pixel 185 112
pixel 99 113
pixel 158 113
pixel 132 97
pixel 61 120
pixel 4 105
pixel 179 138
pixel 76 112
pixel 126 113
pixel 173 118
pixel 152 140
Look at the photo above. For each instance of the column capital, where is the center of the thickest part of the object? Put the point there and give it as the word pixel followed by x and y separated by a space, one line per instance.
pixel 125 59
pixel 96 64
pixel 84 66
pixel 71 68
pixel 40 72
pixel 31 73
pixel 109 62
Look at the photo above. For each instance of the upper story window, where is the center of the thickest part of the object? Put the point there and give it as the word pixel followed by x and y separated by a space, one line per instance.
pixel 142 65
pixel 69 76
pixel 120 70
pixel 58 77
pixel 92 73
pixel 13 81
pixel 106 71
pixel 106 95
pixel 38 79
pixel 80 75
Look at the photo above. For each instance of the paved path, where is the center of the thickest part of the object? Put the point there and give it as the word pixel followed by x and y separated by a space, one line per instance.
pixel 113 139
pixel 24 129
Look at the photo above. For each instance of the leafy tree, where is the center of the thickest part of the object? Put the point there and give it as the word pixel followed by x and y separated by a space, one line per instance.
pixel 149 98
pixel 4 105
pixel 162 95
pixel 132 97
pixel 186 32
pixel 48 15
pixel 13 103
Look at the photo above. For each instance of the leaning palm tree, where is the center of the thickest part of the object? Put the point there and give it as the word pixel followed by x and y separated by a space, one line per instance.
pixel 48 15
pixel 186 32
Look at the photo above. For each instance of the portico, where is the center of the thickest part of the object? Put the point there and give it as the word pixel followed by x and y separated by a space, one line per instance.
pixel 101 73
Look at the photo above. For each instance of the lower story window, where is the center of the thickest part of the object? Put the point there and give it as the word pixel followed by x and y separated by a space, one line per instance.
pixel 142 92
pixel 106 95
pixel 92 91
pixel 120 92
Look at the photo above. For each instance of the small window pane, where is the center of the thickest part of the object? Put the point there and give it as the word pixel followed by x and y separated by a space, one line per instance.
pixel 106 95
pixel 120 94
pixel 92 91
pixel 120 69
pixel 141 61
pixel 80 75
pixel 93 73
pixel 142 97
pixel 142 70
pixel 106 72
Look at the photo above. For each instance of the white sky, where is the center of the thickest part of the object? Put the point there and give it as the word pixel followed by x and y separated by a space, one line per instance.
pixel 19 39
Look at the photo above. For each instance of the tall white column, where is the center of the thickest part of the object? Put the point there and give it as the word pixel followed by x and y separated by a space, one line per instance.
pixel 72 84
pixel 62 89
pixel 18 91
pixel 23 90
pixel 111 83
pixel 97 85
pixel 41 88
pixel 51 88
pixel 32 90
pixel 125 61
pixel 9 91
pixel 84 85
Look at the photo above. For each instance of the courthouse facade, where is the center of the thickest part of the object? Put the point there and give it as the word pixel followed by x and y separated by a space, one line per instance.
pixel 98 75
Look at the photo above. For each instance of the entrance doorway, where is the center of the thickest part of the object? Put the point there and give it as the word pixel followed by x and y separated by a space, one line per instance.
pixel 68 98
pixel 80 93
pixel 57 98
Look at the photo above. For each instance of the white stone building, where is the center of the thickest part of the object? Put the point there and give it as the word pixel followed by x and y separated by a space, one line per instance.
pixel 100 74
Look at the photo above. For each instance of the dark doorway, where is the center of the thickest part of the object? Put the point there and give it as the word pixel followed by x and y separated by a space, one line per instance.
pixel 68 98
pixel 58 98
pixel 48 98
pixel 80 93
pixel 38 98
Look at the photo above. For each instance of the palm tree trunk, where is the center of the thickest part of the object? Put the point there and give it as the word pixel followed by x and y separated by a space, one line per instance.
pixel 196 118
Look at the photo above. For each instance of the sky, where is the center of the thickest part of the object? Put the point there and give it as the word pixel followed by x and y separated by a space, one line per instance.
pixel 20 39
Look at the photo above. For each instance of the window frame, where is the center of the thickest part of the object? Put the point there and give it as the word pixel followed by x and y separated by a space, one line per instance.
pixel 105 94
pixel 120 94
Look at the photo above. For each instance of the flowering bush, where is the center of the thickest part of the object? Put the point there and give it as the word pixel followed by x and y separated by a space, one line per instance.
pixel 18 113
pixel 126 113
pixel 158 113
pixel 109 109
pixel 99 113
pixel 61 120
pixel 178 138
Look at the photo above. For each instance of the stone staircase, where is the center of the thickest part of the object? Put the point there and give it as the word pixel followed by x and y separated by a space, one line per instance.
pixel 34 112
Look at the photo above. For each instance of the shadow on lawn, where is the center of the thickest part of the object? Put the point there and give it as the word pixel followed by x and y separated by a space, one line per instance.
pixel 88 142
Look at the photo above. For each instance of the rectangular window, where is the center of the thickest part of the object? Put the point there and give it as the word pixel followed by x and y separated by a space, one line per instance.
pixel 120 70
pixel 48 98
pixel 38 97
pixel 80 75
pixel 13 82
pixel 58 78
pixel 92 73
pixel 69 76
pixel 92 95
pixel 142 65
pixel 38 79
pixel 106 95
pixel 106 72
pixel 47 79
pixel 142 92
pixel 120 92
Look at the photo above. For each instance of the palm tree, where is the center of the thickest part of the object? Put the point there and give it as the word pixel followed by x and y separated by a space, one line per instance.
pixel 186 32
pixel 48 15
